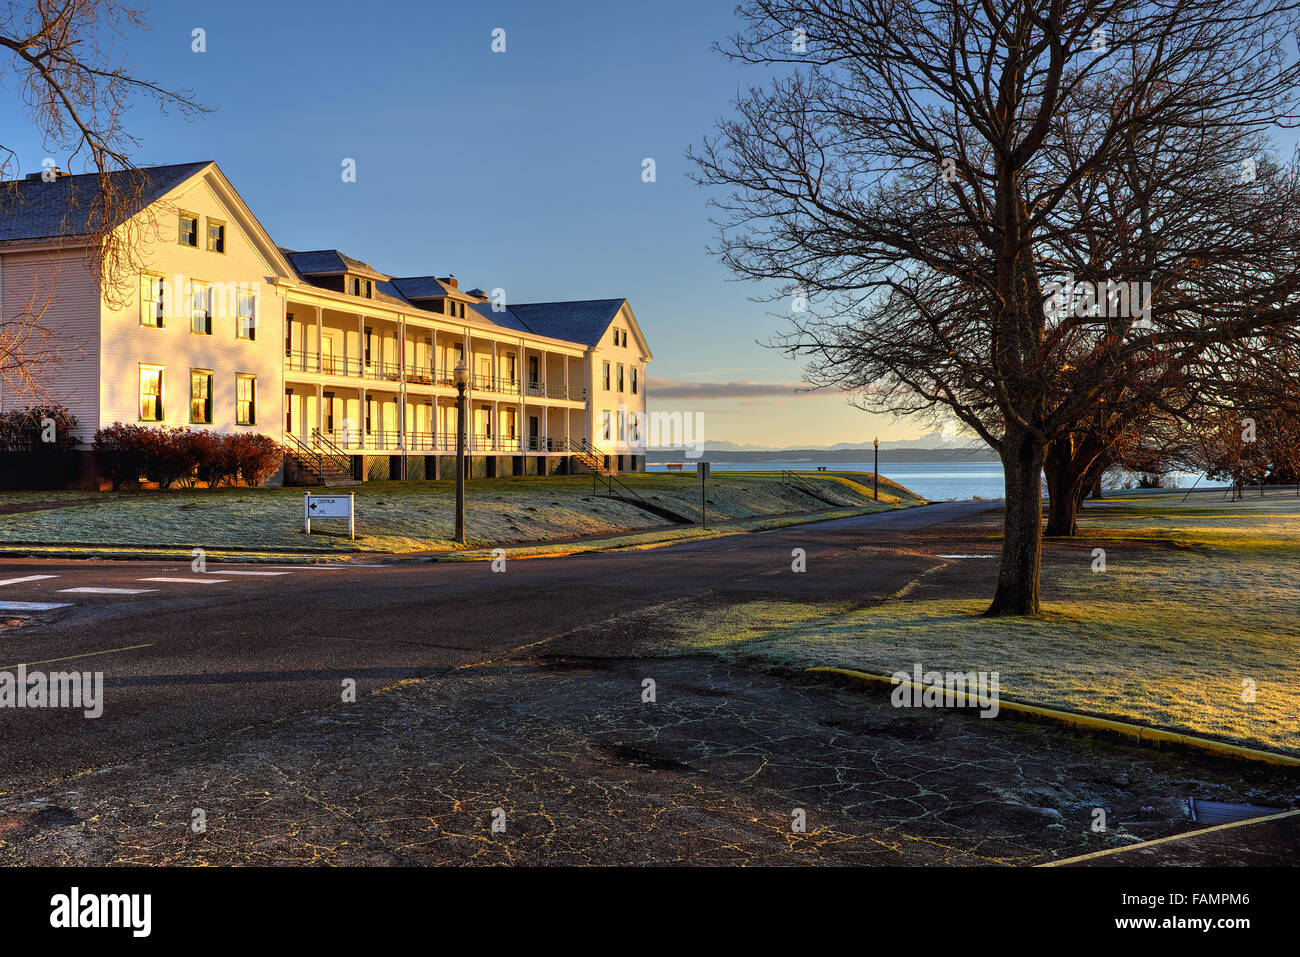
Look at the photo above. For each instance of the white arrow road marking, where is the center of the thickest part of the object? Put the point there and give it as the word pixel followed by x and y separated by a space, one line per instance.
pixel 110 591
pixel 224 572
pixel 29 578
pixel 31 605
pixel 186 581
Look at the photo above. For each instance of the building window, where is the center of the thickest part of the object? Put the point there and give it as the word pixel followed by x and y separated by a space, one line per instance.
pixel 245 400
pixel 605 373
pixel 246 324
pixel 151 301
pixel 200 308
pixel 606 418
pixel 634 423
pixel 329 413
pixel 510 428
pixel 615 335
pixel 201 396
pixel 620 377
pixel 288 411
pixel 216 236
pixel 624 338
pixel 189 232
pixel 634 380
pixel 359 287
pixel 151 393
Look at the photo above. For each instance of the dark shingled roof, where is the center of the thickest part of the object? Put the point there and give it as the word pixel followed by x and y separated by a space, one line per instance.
pixel 422 287
pixel 317 261
pixel 583 321
pixel 35 209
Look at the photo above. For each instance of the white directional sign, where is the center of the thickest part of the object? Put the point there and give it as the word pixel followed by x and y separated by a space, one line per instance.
pixel 330 506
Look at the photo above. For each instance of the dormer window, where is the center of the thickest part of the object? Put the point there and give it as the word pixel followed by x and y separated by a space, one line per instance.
pixel 359 287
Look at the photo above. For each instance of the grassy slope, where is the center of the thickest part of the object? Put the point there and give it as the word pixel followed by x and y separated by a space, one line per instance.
pixel 415 516
pixel 1165 636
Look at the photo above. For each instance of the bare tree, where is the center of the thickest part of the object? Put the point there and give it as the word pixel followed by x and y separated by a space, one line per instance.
pixel 61 59
pixel 934 174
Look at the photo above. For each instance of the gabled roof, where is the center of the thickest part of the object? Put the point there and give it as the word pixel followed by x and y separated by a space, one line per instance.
pixel 35 209
pixel 583 321
pixel 324 262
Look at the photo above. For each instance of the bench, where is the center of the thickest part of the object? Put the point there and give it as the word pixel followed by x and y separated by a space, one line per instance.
pixel 671 466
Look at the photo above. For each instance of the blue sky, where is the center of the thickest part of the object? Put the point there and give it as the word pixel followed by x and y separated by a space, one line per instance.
pixel 519 169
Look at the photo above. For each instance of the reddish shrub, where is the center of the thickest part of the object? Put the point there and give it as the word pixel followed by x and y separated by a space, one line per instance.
pixel 257 456
pixel 120 451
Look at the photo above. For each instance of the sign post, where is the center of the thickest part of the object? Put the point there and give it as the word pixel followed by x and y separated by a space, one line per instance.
pixel 330 506
pixel 703 469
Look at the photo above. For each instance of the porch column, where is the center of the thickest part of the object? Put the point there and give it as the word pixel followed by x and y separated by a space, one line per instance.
pixel 320 408
pixel 361 345
pixel 361 414
pixel 319 336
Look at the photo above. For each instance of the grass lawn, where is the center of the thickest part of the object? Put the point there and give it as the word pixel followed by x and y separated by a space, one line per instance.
pixel 1195 600
pixel 415 516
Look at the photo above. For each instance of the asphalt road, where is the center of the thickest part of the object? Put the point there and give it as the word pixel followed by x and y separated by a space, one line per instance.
pixel 223 650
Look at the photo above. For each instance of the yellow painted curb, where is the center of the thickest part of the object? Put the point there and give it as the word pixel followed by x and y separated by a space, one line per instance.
pixel 1132 732
pixel 1165 840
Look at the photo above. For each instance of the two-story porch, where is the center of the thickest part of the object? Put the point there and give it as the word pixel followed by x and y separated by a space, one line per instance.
pixel 379 389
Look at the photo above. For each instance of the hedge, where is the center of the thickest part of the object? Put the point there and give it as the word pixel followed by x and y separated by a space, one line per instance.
pixel 171 456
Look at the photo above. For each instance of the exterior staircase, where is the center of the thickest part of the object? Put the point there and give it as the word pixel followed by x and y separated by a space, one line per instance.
pixel 319 462
pixel 589 458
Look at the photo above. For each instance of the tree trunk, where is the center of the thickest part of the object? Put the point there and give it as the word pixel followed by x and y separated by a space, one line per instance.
pixel 1022 530
pixel 1095 492
pixel 1064 487
pixel 1063 508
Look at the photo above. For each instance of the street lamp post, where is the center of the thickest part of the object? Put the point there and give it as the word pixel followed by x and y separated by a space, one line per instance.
pixel 461 378
pixel 875 474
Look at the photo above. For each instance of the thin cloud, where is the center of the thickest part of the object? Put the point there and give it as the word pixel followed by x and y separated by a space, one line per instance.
pixel 664 389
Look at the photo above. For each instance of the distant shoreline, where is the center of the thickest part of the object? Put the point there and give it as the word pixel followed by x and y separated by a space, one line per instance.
pixel 797 456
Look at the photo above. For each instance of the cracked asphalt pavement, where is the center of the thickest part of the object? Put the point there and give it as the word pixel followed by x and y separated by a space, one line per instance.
pixel 489 698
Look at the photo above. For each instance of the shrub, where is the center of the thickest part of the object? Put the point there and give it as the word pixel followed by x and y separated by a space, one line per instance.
pixel 24 430
pixel 257 457
pixel 120 452
pixel 220 466
pixel 168 455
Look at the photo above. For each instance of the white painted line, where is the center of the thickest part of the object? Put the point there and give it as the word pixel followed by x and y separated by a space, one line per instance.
pixel 314 568
pixel 224 572
pixel 110 591
pixel 965 556
pixel 31 605
pixel 186 581
pixel 29 578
